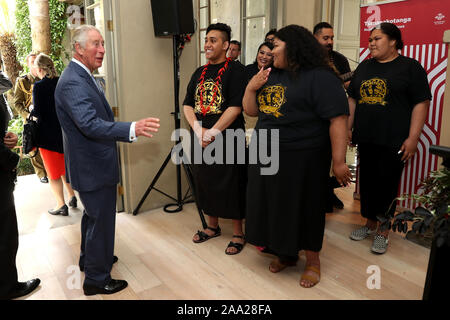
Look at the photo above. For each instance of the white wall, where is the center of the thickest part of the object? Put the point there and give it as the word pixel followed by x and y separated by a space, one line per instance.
pixel 145 88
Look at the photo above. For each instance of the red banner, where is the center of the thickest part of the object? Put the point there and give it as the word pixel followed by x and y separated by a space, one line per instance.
pixel 422 23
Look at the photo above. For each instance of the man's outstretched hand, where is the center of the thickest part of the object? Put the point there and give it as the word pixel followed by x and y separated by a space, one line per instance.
pixel 146 126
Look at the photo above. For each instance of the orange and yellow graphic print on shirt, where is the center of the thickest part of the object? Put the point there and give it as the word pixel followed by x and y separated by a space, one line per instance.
pixel 208 88
pixel 271 99
pixel 373 91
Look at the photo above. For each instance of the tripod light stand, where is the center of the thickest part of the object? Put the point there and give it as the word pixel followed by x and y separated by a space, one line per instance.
pixel 178 43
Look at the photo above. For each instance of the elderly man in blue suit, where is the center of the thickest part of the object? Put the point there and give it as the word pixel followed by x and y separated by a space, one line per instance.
pixel 89 135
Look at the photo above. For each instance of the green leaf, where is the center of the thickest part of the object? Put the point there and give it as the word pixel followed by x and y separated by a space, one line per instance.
pixel 420 211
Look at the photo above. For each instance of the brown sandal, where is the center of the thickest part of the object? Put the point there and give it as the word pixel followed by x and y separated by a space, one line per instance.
pixel 276 265
pixel 310 278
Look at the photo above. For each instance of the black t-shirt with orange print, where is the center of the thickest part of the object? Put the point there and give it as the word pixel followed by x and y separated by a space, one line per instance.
pixel 385 95
pixel 229 92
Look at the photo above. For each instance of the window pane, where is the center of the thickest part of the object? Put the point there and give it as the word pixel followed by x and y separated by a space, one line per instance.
pixel 255 7
pixel 203 3
pixel 91 16
pixel 202 38
pixel 91 2
pixel 254 36
pixel 204 23
pixel 95 18
pixel 203 59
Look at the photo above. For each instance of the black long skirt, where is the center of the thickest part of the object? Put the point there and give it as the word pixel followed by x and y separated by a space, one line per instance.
pixel 286 211
pixel 220 188
pixel 381 170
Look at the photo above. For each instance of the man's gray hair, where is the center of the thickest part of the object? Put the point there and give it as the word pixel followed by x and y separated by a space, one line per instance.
pixel 80 35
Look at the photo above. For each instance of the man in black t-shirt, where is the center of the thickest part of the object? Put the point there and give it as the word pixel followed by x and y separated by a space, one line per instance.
pixel 234 51
pixel 213 105
pixel 323 32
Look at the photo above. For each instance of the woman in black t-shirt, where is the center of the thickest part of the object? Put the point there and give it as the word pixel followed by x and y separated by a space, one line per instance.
pixel 264 59
pixel 286 210
pixel 389 98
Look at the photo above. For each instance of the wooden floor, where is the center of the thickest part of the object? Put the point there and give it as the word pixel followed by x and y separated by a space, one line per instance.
pixel 159 261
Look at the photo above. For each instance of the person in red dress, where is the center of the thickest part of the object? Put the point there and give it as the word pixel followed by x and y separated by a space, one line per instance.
pixel 50 138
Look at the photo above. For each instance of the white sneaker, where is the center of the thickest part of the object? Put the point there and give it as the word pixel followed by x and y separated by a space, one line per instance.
pixel 380 244
pixel 361 233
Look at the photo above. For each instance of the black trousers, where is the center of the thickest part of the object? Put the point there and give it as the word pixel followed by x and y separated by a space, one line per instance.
pixel 9 240
pixel 381 169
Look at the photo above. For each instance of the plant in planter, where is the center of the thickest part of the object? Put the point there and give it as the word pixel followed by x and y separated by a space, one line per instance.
pixel 25 167
pixel 433 213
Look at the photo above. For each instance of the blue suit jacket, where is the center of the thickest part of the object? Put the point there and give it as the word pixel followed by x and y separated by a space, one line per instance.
pixel 89 131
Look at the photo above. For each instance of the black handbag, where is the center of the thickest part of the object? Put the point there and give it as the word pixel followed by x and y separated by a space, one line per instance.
pixel 29 136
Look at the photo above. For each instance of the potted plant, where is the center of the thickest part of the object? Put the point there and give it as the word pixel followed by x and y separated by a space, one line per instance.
pixel 431 216
pixel 433 212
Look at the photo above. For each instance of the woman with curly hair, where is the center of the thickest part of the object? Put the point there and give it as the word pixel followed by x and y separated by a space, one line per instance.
pixel 302 107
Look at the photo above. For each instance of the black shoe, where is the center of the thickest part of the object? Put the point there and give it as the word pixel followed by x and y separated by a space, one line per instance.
pixel 73 202
pixel 64 211
pixel 336 202
pixel 112 287
pixel 44 180
pixel 115 259
pixel 23 288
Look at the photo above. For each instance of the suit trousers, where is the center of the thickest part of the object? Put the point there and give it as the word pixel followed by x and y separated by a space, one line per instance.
pixel 9 242
pixel 381 169
pixel 97 235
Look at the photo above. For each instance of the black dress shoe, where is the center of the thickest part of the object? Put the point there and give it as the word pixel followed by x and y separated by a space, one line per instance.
pixel 112 287
pixel 23 288
pixel 115 259
pixel 64 211
pixel 73 202
pixel 44 180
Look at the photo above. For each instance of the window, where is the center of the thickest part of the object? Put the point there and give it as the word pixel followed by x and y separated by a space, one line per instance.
pixel 204 15
pixel 256 22
pixel 249 20
pixel 94 16
pixel 375 2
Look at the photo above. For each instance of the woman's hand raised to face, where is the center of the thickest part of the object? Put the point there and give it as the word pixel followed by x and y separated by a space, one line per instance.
pixel 259 79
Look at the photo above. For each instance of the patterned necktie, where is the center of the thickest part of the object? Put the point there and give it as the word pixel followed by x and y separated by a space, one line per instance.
pixel 99 83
